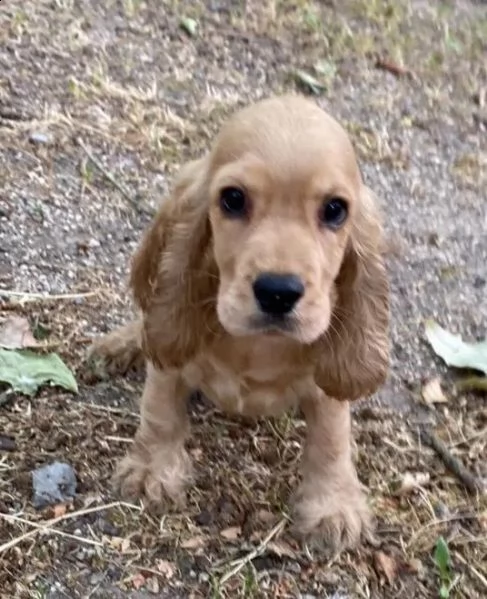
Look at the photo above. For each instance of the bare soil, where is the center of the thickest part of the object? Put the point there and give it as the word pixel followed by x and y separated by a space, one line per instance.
pixel 100 102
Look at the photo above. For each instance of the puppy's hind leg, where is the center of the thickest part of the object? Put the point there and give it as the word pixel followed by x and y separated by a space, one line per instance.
pixel 119 350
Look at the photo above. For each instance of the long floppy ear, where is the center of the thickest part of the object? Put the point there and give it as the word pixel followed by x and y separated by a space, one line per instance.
pixel 354 352
pixel 174 276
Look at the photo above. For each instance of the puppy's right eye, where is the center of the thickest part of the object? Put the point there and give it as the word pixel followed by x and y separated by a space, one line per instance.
pixel 233 202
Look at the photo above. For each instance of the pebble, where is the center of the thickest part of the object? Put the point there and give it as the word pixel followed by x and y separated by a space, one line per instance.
pixel 54 483
pixel 40 138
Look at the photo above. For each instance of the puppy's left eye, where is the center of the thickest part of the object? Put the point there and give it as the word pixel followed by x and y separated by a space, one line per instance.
pixel 333 213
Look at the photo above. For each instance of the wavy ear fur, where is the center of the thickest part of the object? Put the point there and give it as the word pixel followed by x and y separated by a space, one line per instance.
pixel 174 276
pixel 354 352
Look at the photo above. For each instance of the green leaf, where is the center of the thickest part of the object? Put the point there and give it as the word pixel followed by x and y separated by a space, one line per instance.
pixel 454 351
pixel 444 591
pixel 309 82
pixel 26 371
pixel 189 25
pixel 472 383
pixel 443 563
pixel 442 558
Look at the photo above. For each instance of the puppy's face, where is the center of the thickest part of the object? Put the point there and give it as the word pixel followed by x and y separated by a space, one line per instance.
pixel 284 190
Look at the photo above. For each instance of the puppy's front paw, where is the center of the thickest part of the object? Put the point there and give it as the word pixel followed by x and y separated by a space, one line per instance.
pixel 334 516
pixel 115 353
pixel 159 481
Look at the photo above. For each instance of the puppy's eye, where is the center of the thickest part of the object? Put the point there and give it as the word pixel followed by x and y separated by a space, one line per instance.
pixel 233 202
pixel 334 213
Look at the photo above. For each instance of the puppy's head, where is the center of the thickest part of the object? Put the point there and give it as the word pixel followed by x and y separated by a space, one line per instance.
pixel 284 196
pixel 273 233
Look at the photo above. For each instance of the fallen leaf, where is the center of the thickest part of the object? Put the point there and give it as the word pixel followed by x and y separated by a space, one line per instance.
pixel 166 568
pixel 432 392
pixel 472 383
pixel 392 67
pixel 59 510
pixel 483 520
pixel 413 566
pixel 309 82
pixel 232 533
pixel 386 565
pixel 325 67
pixel 15 333
pixel 138 580
pixel 26 371
pixel 281 549
pixel 197 453
pixel 266 517
pixel 411 481
pixel 193 543
pixel 189 25
pixel 454 351
pixel 152 585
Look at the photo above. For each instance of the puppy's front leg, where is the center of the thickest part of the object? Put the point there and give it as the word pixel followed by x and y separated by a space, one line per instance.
pixel 330 504
pixel 158 466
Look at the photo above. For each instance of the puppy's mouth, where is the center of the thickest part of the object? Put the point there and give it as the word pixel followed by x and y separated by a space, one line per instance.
pixel 274 324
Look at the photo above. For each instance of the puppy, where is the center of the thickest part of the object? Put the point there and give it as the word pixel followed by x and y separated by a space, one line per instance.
pixel 261 282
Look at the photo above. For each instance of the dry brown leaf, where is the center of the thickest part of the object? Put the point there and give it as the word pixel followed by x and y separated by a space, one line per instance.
pixel 120 544
pixel 385 565
pixel 432 392
pixel 193 543
pixel 59 510
pixel 266 517
pixel 138 580
pixel 197 453
pixel 411 481
pixel 483 520
pixel 15 333
pixel 232 533
pixel 413 566
pixel 166 568
pixel 281 549
pixel 392 67
pixel 152 585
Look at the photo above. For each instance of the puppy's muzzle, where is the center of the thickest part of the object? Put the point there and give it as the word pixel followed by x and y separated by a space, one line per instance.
pixel 277 294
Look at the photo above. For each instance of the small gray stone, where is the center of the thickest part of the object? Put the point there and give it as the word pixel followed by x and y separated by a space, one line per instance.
pixel 53 484
pixel 40 138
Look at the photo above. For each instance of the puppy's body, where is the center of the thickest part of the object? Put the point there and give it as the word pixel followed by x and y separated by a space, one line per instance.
pixel 261 283
pixel 255 376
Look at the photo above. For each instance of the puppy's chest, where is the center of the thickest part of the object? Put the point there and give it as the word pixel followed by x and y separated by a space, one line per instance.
pixel 252 377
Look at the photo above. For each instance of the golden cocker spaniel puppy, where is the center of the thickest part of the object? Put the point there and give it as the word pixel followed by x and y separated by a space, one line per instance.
pixel 261 282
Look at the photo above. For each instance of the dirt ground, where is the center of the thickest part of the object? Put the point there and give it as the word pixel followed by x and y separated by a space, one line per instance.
pixel 100 102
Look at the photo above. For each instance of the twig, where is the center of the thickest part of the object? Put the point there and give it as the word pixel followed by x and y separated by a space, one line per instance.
pixel 474 437
pixel 41 296
pixel 240 563
pixel 117 411
pixel 472 569
pixel 107 174
pixel 471 483
pixel 119 439
pixel 47 527
pixel 433 523
pixel 392 67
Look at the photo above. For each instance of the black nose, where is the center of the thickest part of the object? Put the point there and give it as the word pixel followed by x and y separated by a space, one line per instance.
pixel 276 293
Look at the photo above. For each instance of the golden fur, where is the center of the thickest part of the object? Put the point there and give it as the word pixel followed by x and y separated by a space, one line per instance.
pixel 200 325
